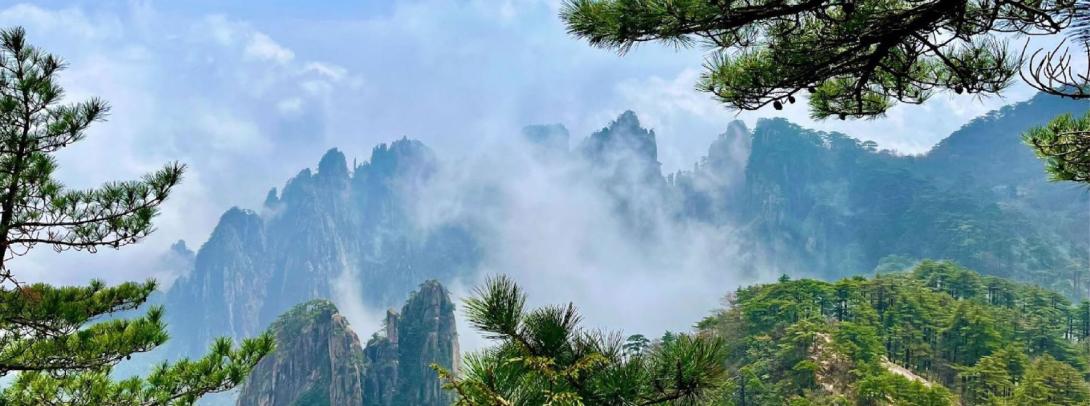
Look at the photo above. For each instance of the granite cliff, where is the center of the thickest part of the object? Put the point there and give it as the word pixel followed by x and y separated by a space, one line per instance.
pixel 319 360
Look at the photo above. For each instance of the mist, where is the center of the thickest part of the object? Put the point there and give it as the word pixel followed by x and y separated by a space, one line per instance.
pixel 460 76
pixel 596 234
pixel 351 77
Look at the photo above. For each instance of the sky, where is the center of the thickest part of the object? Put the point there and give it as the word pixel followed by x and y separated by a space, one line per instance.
pixel 248 93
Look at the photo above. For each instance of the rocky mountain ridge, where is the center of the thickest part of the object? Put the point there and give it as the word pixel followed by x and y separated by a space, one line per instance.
pixel 319 359
pixel 805 202
pixel 327 233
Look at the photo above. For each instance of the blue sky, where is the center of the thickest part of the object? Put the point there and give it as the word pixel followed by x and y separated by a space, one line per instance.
pixel 248 93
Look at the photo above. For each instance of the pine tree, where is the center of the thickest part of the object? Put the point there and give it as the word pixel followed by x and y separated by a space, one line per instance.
pixel 856 57
pixel 1051 382
pixel 1064 145
pixel 989 381
pixel 55 339
pixel 543 357
pixel 971 335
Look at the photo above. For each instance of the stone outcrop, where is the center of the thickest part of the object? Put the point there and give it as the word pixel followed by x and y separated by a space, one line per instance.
pixel 318 361
pixel 340 230
pixel 421 335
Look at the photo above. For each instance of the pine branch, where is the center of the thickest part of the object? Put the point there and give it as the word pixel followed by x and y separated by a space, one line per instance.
pixel 856 57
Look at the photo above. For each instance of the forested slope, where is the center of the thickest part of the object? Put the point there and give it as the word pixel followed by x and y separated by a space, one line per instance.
pixel 934 335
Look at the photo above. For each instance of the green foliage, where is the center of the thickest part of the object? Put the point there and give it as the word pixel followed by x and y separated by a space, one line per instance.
pixel 992 380
pixel 970 335
pixel 636 344
pixel 914 337
pixel 543 357
pixel 1064 145
pixel 37 209
pixel 179 383
pixel 60 341
pixel 1050 382
pixel 303 314
pixel 50 324
pixel 855 58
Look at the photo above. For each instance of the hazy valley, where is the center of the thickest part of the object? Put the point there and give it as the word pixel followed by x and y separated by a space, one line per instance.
pixel 568 216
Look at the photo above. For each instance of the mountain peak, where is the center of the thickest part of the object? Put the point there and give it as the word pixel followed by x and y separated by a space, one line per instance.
pixel 627 119
pixel 624 143
pixel 402 147
pixel 272 198
pixel 181 248
pixel 333 165
pixel 318 360
pixel 431 293
pixel 313 309
pixel 736 127
pixel 404 156
pixel 729 153
pixel 237 218
pixel 551 137
pixel 424 330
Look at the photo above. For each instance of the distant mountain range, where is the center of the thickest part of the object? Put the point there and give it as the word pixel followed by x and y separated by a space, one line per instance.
pixel 330 233
pixel 800 202
pixel 834 206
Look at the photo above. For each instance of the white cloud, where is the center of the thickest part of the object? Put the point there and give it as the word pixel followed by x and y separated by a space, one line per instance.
pixel 220 28
pixel 181 90
pixel 316 87
pixel 72 20
pixel 262 47
pixel 330 71
pixel 669 273
pixel 290 105
pixel 228 133
pixel 456 74
pixel 658 96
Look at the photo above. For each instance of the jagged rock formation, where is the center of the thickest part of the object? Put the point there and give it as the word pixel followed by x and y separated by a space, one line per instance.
pixel 333 229
pixel 830 205
pixel 422 334
pixel 623 159
pixel 178 260
pixel 319 360
pixel 713 189
pixel 624 152
pixel 798 201
pixel 381 381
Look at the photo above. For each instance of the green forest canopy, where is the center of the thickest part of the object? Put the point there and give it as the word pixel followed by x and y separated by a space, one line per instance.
pixel 936 334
